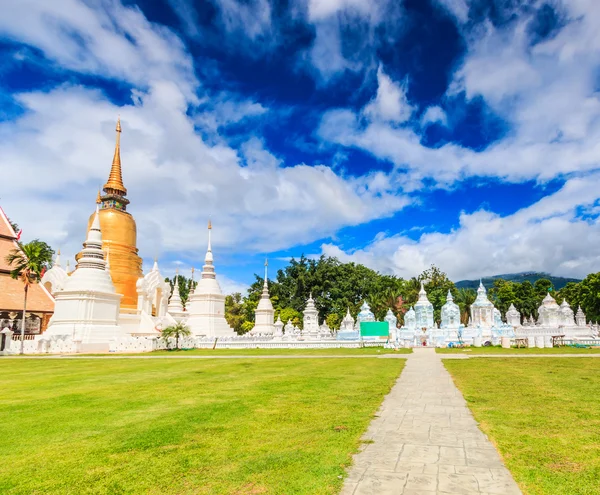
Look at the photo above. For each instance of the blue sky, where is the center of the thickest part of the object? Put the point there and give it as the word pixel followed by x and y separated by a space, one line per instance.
pixel 392 133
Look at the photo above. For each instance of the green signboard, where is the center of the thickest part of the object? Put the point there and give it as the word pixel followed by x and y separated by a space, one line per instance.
pixel 374 329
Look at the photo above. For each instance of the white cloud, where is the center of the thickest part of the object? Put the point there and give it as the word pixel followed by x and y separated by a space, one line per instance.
pixel 434 114
pixel 458 8
pixel 60 149
pixel 390 104
pixel 546 236
pixel 110 40
pixel 546 94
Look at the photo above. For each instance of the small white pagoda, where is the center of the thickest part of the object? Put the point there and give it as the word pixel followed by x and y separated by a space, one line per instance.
pixel 175 307
pixel 87 306
pixel 310 328
pixel 264 314
pixel 423 310
pixel 206 306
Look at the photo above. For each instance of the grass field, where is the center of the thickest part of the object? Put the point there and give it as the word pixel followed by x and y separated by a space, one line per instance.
pixel 179 426
pixel 284 352
pixel 514 350
pixel 542 414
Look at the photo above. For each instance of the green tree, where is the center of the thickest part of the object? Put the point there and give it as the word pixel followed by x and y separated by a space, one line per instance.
pixel 177 331
pixel 246 327
pixel 234 312
pixel 333 321
pixel 589 294
pixel 185 286
pixel 527 299
pixel 464 298
pixel 542 286
pixel 27 263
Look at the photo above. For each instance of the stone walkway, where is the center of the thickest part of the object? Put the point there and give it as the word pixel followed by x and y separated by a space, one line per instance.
pixel 426 441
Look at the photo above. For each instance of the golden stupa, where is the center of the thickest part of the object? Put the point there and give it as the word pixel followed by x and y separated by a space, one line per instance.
pixel 119 233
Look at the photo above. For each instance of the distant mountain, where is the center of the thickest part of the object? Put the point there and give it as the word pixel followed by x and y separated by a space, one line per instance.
pixel 488 282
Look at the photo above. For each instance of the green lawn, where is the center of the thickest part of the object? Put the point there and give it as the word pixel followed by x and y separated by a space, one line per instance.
pixel 178 426
pixel 340 351
pixel 514 350
pixel 543 416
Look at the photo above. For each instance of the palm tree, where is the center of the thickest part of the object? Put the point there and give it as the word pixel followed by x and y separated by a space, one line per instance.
pixel 28 261
pixel 178 331
pixel 464 298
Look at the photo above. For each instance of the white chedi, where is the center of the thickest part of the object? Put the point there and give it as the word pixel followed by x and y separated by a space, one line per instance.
pixel 289 330
pixel 55 278
pixel 410 319
pixel 450 313
pixel 423 310
pixel 324 330
pixel 365 313
pixel 278 328
pixel 392 322
pixel 513 317
pixel 87 308
pixel 206 306
pixel 153 293
pixel 482 309
pixel 264 314
pixel 549 312
pixel 175 307
pixel 566 315
pixel 310 327
pixel 580 319
pixel 347 323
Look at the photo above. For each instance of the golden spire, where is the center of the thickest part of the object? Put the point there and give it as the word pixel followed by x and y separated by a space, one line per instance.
pixel 115 179
pixel 98 198
pixel 209 225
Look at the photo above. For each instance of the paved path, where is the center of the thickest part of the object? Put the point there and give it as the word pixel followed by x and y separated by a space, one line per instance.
pixel 426 441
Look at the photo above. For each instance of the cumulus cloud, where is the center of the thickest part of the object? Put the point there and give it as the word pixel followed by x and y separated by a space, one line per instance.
pixel 390 104
pixel 547 236
pixel 60 149
pixel 546 93
pixel 434 114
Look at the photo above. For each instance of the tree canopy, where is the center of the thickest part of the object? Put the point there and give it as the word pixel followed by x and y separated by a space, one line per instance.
pixel 337 287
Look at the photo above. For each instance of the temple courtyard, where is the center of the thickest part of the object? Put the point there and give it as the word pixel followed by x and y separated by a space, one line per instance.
pixel 301 423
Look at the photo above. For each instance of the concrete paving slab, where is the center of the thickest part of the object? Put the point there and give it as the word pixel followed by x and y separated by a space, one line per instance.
pixel 426 441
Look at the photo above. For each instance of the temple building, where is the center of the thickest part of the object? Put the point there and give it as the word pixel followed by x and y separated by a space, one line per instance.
pixel 40 303
pixel 206 306
pixel 87 305
pixel 264 314
pixel 119 233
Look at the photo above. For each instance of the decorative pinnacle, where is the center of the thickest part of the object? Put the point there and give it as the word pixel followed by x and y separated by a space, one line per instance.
pixel 98 198
pixel 115 179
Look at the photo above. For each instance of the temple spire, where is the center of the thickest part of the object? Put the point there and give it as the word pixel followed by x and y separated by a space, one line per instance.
pixel 208 259
pixel 114 184
pixel 266 268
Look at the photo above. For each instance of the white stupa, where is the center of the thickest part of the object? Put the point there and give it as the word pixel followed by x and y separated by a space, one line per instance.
pixel 264 314
pixel 87 307
pixel 175 307
pixel 310 327
pixel 423 310
pixel 482 309
pixel 55 278
pixel 206 306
